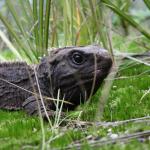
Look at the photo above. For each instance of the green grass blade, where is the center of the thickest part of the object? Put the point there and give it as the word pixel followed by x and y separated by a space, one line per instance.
pixel 98 20
pixel 36 33
pixel 147 3
pixel 65 24
pixel 54 34
pixel 28 45
pixel 72 22
pixel 29 8
pixel 84 30
pixel 24 9
pixel 13 33
pixel 41 5
pixel 47 19
pixel 126 17
pixel 9 44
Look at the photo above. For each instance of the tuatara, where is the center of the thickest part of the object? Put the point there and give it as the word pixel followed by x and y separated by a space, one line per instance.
pixel 70 71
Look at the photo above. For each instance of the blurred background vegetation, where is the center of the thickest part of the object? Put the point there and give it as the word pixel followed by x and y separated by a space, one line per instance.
pixel 28 28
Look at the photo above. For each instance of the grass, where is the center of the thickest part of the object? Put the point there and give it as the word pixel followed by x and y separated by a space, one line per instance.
pixel 126 93
pixel 19 131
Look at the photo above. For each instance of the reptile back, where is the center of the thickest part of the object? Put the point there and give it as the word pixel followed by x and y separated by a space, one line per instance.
pixel 14 77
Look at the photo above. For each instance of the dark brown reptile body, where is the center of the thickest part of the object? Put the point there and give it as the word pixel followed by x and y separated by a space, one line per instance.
pixel 71 70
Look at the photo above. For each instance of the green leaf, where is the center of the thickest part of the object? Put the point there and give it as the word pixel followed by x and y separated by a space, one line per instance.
pixel 147 3
pixel 126 17
pixel 47 19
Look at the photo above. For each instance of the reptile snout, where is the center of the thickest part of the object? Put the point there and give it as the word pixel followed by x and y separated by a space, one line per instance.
pixel 106 63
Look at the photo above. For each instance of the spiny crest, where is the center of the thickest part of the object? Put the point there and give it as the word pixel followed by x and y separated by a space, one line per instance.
pixel 13 64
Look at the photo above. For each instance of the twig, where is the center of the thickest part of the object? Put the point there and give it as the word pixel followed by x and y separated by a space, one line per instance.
pixel 102 142
pixel 117 123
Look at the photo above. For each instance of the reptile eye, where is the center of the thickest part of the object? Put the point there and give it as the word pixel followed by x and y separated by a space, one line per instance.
pixel 77 58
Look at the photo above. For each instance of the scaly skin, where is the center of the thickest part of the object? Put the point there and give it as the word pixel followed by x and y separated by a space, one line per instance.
pixel 71 70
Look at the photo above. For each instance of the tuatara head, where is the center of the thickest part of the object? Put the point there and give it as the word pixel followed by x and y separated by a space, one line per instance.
pixel 76 72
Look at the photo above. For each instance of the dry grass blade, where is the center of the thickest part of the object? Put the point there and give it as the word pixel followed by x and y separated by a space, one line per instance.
pixel 105 92
pixel 40 114
pixel 145 94
pixel 41 97
pixel 133 57
pixel 138 60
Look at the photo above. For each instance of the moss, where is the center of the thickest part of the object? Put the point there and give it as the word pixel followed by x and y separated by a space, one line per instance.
pixel 17 130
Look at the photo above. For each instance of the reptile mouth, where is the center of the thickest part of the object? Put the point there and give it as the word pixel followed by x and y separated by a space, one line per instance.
pixel 82 91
